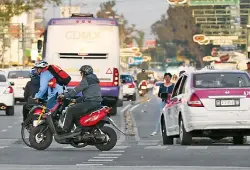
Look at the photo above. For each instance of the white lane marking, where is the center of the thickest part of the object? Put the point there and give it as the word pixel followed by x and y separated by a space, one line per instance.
pixel 156 147
pixel 121 147
pixel 88 164
pixel 126 107
pixel 239 147
pixel 100 160
pixel 9 126
pixel 102 154
pixel 2 147
pixel 197 147
pixel 101 157
pixel 113 151
pixel 134 107
pixel 146 144
pixel 4 130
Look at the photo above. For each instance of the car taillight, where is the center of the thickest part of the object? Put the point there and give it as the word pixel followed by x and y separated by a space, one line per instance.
pixel 194 101
pixel 116 77
pixel 9 90
pixel 131 85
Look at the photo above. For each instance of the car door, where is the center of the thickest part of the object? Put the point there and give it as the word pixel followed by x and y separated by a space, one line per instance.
pixel 177 108
pixel 171 107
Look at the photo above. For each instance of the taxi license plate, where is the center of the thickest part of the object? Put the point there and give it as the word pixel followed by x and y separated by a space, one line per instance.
pixel 227 102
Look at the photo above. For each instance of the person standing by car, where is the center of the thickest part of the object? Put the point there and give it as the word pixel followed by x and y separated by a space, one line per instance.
pixel 166 87
pixel 248 67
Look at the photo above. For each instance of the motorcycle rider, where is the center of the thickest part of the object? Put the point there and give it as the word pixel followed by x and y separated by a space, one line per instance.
pixel 142 76
pixel 31 88
pixel 41 68
pixel 89 86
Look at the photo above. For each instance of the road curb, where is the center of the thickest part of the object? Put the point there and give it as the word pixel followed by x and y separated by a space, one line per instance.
pixel 130 124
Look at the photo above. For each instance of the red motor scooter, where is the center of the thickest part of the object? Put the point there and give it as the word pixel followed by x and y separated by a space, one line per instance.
pixel 90 129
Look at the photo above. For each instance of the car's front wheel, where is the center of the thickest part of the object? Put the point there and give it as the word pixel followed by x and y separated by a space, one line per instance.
pixel 185 137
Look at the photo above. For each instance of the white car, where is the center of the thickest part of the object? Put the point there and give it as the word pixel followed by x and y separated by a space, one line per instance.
pixel 6 95
pixel 128 86
pixel 19 77
pixel 156 87
pixel 208 103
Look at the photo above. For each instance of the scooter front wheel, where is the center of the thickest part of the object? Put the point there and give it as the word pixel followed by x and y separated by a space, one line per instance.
pixel 40 137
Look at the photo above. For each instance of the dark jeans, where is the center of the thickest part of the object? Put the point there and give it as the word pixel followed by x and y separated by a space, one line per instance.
pixel 27 106
pixel 78 110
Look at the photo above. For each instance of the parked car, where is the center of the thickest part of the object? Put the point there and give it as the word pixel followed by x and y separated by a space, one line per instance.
pixel 19 77
pixel 208 103
pixel 129 86
pixel 156 87
pixel 6 95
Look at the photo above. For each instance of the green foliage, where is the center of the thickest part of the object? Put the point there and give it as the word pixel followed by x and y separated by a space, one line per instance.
pixel 175 34
pixel 11 8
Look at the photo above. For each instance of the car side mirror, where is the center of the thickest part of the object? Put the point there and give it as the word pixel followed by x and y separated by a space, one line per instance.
pixel 12 83
pixel 135 81
pixel 164 95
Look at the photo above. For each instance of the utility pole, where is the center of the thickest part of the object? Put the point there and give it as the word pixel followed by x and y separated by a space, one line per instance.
pixel 248 37
pixel 23 43
pixel 70 7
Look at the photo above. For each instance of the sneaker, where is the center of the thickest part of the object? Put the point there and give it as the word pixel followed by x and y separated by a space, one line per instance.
pixel 154 133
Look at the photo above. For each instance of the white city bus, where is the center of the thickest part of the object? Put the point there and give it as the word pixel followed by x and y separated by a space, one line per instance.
pixel 85 40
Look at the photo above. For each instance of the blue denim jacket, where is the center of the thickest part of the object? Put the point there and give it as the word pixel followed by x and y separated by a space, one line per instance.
pixel 45 77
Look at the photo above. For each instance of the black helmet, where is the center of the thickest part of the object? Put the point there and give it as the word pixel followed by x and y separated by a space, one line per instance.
pixel 86 70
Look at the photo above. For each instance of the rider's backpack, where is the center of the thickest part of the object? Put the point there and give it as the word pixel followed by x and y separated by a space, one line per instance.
pixel 62 78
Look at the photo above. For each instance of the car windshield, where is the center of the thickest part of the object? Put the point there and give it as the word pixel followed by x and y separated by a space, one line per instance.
pixel 18 74
pixel 221 80
pixel 126 78
pixel 2 78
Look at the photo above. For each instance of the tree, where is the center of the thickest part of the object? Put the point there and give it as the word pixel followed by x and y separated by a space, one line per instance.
pixel 178 30
pixel 127 32
pixel 11 8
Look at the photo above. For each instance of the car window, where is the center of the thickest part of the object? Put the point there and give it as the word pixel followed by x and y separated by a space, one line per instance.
pixel 182 86
pixel 176 87
pixel 2 78
pixel 127 78
pixel 18 74
pixel 221 80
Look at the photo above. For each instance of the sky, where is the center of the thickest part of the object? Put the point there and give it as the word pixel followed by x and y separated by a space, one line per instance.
pixel 142 13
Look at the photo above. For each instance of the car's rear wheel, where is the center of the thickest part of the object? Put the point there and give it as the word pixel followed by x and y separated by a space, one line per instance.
pixel 185 137
pixel 133 97
pixel 238 140
pixel 10 111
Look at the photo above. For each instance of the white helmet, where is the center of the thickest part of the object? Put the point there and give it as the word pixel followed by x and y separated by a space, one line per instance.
pixel 41 64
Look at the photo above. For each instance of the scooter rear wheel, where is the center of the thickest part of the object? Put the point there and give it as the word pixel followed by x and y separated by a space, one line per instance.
pixel 40 139
pixel 27 125
pixel 110 144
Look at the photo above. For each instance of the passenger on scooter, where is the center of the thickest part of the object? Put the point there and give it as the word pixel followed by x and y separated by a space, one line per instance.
pixel 31 88
pixel 91 100
pixel 41 68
